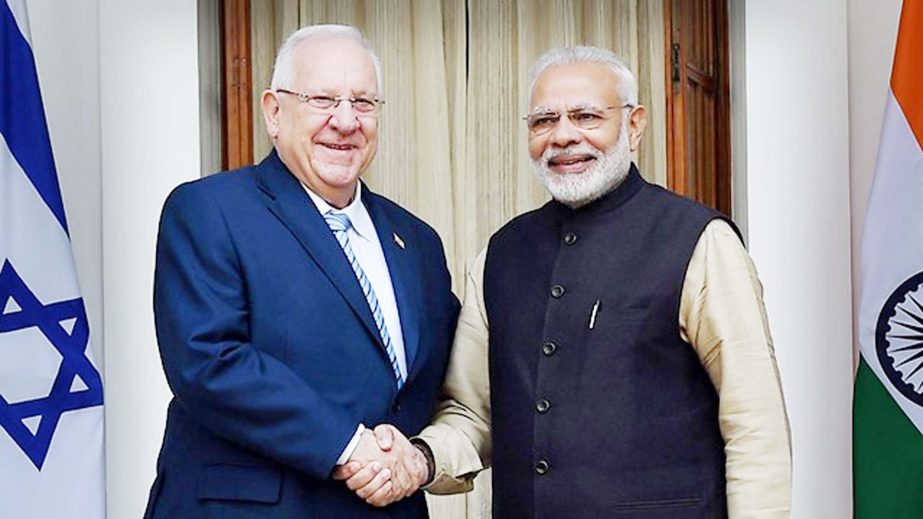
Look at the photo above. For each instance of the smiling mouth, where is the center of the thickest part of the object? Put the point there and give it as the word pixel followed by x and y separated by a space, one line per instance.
pixel 570 160
pixel 338 147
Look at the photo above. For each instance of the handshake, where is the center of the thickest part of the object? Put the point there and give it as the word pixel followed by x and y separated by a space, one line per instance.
pixel 385 467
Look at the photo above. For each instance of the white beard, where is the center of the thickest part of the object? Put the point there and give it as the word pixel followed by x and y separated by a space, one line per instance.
pixel 576 190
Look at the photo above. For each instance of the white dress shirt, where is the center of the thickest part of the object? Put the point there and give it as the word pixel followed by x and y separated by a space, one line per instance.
pixel 363 238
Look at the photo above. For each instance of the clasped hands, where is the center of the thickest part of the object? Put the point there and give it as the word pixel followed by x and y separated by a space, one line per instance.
pixel 385 467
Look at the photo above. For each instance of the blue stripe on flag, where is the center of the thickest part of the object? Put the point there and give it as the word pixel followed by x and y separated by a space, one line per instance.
pixel 22 116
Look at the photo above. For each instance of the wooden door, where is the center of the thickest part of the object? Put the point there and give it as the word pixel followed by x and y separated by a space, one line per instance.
pixel 698 143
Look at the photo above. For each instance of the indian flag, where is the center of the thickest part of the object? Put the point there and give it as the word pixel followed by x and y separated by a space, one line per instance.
pixel 888 418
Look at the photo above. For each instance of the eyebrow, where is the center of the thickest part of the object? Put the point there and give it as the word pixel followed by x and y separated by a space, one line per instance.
pixel 543 110
pixel 364 92
pixel 330 92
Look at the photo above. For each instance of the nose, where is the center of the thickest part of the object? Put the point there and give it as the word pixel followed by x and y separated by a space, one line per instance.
pixel 564 134
pixel 344 119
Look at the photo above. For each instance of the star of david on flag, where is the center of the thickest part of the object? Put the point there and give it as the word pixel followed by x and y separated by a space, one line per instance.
pixel 76 385
pixel 51 392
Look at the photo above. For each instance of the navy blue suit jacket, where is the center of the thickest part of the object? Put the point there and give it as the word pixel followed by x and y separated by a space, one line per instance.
pixel 271 350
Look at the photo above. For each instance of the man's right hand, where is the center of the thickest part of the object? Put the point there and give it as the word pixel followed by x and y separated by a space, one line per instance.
pixel 385 467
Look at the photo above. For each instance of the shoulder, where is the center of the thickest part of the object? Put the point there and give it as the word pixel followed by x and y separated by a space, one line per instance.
pixel 673 208
pixel 213 190
pixel 721 229
pixel 524 223
pixel 677 202
pixel 208 203
pixel 720 237
pixel 216 185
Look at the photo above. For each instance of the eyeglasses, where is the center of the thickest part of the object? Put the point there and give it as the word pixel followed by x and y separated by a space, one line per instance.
pixel 584 117
pixel 326 104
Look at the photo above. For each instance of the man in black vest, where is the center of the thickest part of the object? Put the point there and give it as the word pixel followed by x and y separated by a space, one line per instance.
pixel 613 356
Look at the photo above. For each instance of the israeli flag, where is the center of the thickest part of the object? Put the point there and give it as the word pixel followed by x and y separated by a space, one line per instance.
pixel 51 396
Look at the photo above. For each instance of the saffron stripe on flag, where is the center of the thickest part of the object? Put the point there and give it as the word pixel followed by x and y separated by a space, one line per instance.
pixel 907 73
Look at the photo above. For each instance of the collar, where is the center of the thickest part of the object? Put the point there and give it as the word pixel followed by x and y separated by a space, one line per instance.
pixel 356 211
pixel 620 194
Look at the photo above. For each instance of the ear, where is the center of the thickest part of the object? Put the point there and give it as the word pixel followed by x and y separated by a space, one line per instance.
pixel 637 122
pixel 271 108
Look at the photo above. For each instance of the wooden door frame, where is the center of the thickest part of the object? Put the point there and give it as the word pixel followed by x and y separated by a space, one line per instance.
pixel 677 172
pixel 236 98
pixel 675 114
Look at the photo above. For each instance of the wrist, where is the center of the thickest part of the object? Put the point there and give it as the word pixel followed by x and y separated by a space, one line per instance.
pixel 427 453
pixel 350 448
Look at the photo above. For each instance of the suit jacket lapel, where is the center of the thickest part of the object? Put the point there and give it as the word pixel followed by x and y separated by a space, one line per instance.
pixel 404 270
pixel 292 206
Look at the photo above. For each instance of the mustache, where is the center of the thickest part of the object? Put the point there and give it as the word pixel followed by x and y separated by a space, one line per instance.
pixel 576 149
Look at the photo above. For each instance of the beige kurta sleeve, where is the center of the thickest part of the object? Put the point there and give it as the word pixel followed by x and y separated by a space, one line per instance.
pixel 723 317
pixel 459 435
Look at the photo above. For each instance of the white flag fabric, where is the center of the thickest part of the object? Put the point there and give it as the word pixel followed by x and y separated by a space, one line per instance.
pixel 51 395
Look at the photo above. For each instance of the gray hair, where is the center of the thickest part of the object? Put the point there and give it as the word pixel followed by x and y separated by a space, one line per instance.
pixel 627 85
pixel 282 70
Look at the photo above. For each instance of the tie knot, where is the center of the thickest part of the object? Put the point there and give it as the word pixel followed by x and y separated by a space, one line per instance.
pixel 338 222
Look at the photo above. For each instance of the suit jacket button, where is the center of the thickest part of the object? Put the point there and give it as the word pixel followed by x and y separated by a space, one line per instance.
pixel 549 348
pixel 570 238
pixel 542 406
pixel 557 291
pixel 395 408
pixel 542 467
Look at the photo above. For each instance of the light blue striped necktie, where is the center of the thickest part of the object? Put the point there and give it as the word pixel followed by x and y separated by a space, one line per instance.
pixel 339 223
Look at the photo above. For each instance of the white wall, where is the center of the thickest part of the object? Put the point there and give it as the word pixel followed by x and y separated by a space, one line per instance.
pixel 150 142
pixel 120 84
pixel 797 210
pixel 66 45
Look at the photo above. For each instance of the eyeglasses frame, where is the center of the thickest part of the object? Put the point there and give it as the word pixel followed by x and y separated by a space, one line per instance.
pixel 570 116
pixel 306 99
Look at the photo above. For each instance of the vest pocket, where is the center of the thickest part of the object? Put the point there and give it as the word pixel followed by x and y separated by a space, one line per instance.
pixel 257 484
pixel 659 504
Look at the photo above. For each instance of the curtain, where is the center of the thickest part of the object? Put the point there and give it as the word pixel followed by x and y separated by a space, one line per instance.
pixel 421 47
pixel 452 145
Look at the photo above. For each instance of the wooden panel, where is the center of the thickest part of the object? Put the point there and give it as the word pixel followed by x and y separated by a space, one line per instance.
pixel 698 107
pixel 237 138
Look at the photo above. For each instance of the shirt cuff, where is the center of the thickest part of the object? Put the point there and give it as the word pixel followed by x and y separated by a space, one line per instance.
pixel 351 446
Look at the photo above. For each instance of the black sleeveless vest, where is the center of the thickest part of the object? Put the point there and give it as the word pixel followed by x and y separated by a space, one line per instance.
pixel 598 407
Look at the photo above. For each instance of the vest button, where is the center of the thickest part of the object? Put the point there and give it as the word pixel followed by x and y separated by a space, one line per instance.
pixel 557 291
pixel 542 406
pixel 549 348
pixel 542 467
pixel 570 238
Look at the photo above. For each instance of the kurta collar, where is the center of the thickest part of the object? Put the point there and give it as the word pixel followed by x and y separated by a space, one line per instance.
pixel 608 202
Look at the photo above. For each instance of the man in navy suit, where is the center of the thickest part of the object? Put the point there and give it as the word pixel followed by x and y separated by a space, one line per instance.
pixel 296 310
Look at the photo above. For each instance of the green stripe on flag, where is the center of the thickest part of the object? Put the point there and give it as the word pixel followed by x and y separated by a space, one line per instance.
pixel 887 454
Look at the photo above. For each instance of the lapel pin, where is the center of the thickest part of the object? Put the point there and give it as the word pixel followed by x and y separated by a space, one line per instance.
pixel 398 240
